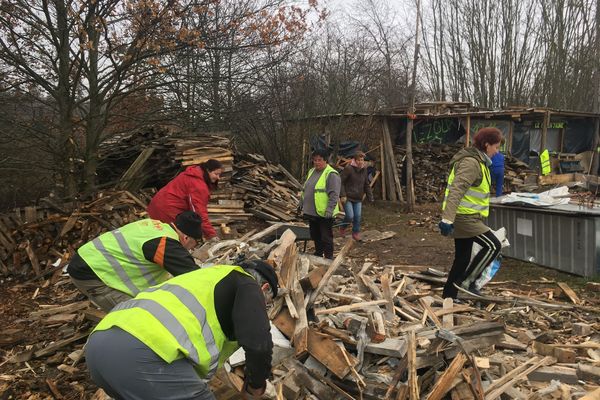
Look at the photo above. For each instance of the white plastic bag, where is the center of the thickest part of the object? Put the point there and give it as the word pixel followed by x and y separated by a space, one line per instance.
pixel 488 273
pixel 493 267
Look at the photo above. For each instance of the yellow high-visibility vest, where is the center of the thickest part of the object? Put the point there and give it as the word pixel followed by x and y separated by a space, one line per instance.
pixel 477 199
pixel 545 162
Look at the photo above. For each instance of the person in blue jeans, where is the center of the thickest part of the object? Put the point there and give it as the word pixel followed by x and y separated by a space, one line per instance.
pixel 355 184
pixel 497 173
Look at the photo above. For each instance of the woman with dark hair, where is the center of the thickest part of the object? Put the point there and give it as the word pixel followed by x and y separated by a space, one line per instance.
pixel 190 190
pixel 466 204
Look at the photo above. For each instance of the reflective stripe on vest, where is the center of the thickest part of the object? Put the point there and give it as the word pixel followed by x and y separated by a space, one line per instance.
pixel 321 197
pixel 178 319
pixel 476 200
pixel 545 162
pixel 117 257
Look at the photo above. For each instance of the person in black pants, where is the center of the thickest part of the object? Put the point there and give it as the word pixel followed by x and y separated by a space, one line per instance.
pixel 466 205
pixel 320 202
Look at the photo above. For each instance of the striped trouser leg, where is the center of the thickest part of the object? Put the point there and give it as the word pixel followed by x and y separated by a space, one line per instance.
pixel 490 248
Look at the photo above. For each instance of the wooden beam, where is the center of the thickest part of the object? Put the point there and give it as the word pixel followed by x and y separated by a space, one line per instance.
pixel 444 382
pixel 413 385
pixel 468 129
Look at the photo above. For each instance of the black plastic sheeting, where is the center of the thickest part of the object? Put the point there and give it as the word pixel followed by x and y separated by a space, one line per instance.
pixel 579 136
pixel 520 142
pixel 345 149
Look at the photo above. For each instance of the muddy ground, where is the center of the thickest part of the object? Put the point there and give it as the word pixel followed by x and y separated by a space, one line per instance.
pixel 417 242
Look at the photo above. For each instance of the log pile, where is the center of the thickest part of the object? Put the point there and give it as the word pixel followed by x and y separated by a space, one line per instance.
pixel 271 192
pixel 351 330
pixel 29 245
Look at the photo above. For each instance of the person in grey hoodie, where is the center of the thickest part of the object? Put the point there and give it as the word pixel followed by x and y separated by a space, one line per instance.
pixel 466 204
pixel 355 185
pixel 319 202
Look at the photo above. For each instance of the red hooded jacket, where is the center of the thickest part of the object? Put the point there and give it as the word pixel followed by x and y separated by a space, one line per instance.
pixel 188 191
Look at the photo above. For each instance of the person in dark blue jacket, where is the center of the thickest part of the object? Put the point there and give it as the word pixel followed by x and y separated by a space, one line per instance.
pixel 497 172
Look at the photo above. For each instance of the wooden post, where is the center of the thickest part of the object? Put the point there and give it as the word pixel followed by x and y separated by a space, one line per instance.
pixel 303 170
pixel 410 190
pixel 511 127
pixel 383 171
pixel 389 159
pixel 468 127
pixel 394 167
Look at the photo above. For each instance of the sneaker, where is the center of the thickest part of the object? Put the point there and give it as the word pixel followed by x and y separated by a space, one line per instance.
pixel 474 290
pixel 356 236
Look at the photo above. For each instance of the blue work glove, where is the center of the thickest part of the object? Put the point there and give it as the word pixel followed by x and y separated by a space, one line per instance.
pixel 446 228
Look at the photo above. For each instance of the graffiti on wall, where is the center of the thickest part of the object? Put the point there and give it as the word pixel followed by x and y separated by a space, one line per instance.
pixel 434 130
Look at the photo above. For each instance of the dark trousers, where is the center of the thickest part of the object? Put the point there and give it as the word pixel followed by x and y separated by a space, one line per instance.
pixel 464 271
pixel 127 369
pixel 321 232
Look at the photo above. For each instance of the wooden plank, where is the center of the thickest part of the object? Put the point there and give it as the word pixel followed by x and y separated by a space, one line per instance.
pixel 35 264
pixel 569 293
pixel 391 347
pixel 413 383
pixel 386 279
pixel 546 374
pixel 328 353
pixel 311 281
pixel 68 308
pixel 301 328
pixel 448 319
pixel 332 268
pixel 303 379
pixel 132 179
pixel 497 387
pixel 562 355
pixel 52 348
pixel 350 307
pixel 444 382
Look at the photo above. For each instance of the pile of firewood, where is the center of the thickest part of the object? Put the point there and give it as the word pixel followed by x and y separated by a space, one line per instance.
pixel 354 330
pixel 30 243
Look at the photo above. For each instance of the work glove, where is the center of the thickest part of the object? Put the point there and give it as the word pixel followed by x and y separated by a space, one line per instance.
pixel 299 208
pixel 446 227
pixel 328 214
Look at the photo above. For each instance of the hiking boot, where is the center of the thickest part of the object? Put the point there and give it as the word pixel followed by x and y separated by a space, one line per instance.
pixel 356 236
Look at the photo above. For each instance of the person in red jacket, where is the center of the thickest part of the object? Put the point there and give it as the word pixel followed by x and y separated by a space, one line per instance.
pixel 190 190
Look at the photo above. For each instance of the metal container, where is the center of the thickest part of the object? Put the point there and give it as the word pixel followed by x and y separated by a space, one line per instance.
pixel 564 237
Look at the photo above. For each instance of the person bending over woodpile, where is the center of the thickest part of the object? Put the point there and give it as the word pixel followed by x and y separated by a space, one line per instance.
pixel 466 203
pixel 355 184
pixel 319 202
pixel 117 265
pixel 166 341
pixel 190 190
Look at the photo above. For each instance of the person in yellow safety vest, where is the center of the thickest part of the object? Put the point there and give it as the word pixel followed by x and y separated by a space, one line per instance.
pixel 466 204
pixel 545 162
pixel 166 341
pixel 117 265
pixel 319 202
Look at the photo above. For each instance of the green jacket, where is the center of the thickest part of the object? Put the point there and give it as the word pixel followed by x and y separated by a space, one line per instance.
pixel 467 173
